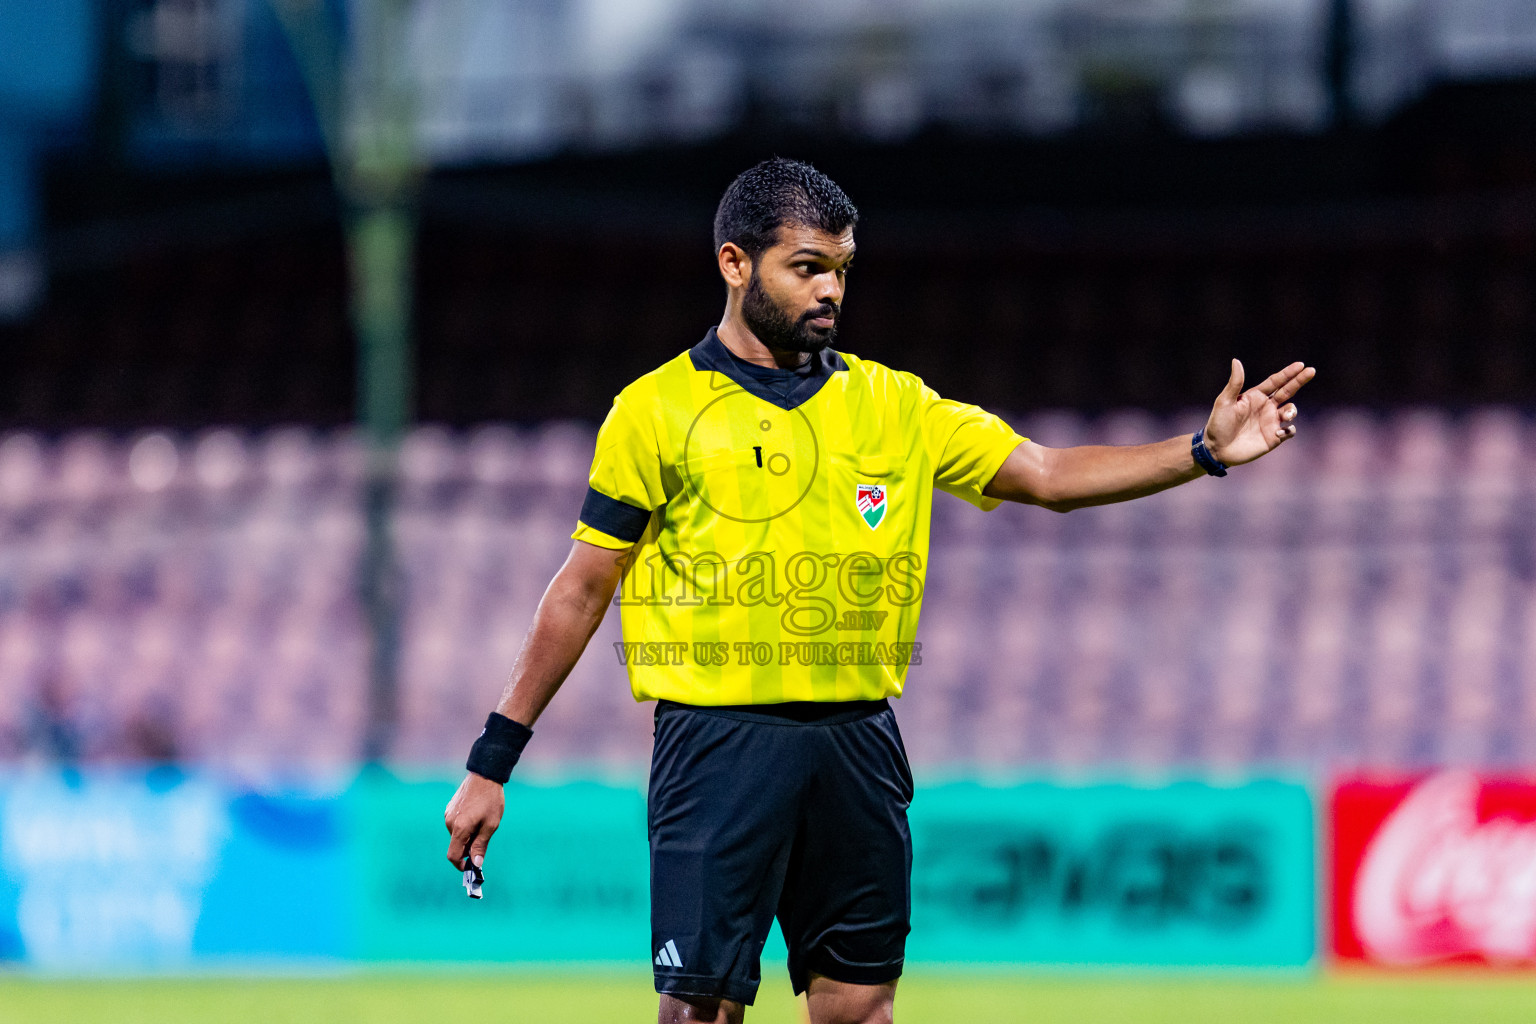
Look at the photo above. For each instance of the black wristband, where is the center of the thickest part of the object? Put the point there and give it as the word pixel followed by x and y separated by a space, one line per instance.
pixel 500 744
pixel 1203 457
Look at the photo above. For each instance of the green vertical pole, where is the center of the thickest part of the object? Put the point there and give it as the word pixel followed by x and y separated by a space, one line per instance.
pixel 381 240
pixel 361 89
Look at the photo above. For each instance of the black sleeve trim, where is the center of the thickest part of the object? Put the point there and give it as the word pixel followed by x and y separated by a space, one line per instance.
pixel 613 517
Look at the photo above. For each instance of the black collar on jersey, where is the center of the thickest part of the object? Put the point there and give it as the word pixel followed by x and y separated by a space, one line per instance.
pixel 783 388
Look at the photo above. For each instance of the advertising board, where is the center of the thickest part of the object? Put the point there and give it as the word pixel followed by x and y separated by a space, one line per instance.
pixel 169 871
pixel 567 878
pixel 157 870
pixel 1179 875
pixel 1434 869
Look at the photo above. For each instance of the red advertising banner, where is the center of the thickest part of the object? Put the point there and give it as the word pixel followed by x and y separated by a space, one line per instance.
pixel 1434 869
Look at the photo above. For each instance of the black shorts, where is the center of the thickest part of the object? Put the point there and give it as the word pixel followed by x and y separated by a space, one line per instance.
pixel 791 810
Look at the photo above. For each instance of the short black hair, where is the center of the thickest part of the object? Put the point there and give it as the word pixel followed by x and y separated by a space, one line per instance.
pixel 777 192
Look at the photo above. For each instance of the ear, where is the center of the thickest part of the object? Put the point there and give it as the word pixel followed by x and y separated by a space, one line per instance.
pixel 735 265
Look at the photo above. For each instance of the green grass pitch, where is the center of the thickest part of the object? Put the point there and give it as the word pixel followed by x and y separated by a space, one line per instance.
pixel 514 998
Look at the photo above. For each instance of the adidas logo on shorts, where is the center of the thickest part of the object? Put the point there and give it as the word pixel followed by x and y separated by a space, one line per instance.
pixel 667 956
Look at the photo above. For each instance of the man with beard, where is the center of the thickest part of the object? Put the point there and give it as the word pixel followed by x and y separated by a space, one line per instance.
pixel 764 501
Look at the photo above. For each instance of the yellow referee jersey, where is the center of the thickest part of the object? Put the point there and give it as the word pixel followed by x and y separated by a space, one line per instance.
pixel 782 522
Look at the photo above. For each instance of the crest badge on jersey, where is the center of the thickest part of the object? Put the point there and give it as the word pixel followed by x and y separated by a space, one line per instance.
pixel 871 502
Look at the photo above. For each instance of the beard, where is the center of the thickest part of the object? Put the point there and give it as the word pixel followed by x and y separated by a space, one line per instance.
pixel 777 329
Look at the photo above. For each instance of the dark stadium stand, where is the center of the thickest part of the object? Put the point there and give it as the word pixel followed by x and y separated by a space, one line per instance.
pixel 1077 272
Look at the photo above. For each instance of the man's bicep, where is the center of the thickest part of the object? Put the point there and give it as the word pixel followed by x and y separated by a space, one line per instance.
pixel 1024 475
pixel 595 569
pixel 597 563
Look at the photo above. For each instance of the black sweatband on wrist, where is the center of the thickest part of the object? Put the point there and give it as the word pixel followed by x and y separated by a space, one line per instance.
pixel 1203 457
pixel 500 744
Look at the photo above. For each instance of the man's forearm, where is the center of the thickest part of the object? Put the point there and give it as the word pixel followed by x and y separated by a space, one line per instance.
pixel 1102 474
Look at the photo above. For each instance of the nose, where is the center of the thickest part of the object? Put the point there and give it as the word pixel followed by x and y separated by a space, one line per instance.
pixel 829 288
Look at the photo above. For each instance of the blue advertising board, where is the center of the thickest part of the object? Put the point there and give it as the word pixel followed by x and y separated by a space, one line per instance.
pixel 164 871
pixel 106 871
pixel 161 870
pixel 284 882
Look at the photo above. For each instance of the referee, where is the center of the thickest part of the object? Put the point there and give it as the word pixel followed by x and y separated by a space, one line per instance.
pixel 759 511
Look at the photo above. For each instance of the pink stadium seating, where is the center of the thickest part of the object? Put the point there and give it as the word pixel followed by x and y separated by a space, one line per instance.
pixel 1368 596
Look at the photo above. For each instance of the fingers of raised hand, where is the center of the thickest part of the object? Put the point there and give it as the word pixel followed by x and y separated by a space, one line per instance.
pixel 1282 387
pixel 1287 428
pixel 1275 381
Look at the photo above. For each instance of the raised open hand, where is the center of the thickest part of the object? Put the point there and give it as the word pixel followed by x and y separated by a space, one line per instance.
pixel 1247 424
